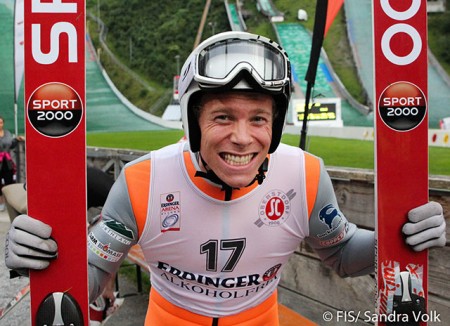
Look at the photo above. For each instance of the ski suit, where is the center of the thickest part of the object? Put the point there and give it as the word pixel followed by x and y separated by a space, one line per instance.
pixel 217 262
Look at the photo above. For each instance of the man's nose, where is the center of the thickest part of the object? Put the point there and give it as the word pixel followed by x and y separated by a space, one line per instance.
pixel 241 134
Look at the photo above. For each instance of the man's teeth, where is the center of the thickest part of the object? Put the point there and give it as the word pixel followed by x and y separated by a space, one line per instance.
pixel 237 160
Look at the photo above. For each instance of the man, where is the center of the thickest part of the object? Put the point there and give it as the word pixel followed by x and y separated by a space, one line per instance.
pixel 218 217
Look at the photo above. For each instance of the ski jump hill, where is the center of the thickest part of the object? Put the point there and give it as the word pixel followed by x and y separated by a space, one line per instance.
pixel 107 110
pixel 296 40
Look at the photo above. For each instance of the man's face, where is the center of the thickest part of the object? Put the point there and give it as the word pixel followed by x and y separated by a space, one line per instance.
pixel 236 132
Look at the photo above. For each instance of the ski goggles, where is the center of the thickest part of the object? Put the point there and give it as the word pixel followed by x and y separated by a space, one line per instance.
pixel 220 63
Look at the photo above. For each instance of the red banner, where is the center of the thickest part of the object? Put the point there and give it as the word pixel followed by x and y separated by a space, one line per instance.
pixel 332 10
pixel 56 148
pixel 400 61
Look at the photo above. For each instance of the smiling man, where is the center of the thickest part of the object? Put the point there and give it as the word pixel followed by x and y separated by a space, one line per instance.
pixel 218 216
pixel 236 133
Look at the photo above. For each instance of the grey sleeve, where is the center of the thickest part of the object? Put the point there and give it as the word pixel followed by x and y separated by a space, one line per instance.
pixel 118 229
pixel 340 244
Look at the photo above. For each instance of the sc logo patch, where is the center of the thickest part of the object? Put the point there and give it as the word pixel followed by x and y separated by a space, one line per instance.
pixel 275 208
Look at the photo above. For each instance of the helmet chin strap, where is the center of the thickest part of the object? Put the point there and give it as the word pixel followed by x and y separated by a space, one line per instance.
pixel 211 176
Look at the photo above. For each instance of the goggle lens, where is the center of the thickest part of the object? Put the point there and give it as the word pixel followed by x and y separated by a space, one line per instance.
pixel 224 60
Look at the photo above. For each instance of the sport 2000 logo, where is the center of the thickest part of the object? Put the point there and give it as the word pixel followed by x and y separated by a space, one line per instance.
pixel 55 109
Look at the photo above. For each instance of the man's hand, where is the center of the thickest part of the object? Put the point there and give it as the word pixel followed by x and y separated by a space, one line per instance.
pixel 426 227
pixel 28 244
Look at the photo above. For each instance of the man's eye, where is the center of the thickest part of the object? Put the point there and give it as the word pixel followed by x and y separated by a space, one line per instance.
pixel 259 119
pixel 222 117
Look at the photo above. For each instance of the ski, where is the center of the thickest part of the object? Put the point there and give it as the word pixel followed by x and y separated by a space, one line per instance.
pixel 401 156
pixel 56 155
pixel 14 301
